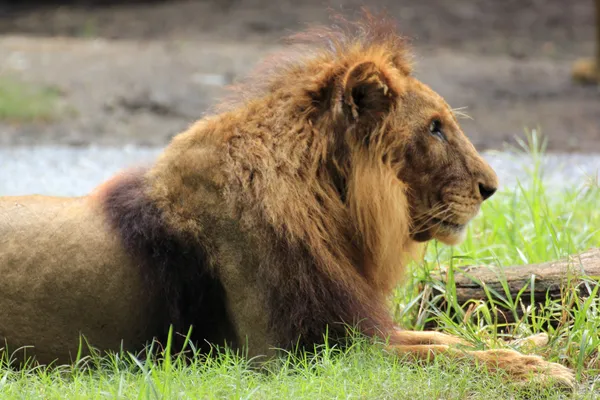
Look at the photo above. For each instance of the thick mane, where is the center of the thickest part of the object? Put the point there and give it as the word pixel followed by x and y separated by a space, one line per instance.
pixel 333 201
pixel 332 44
pixel 349 208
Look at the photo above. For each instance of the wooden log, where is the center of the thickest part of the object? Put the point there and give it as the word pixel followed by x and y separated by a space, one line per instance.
pixel 535 282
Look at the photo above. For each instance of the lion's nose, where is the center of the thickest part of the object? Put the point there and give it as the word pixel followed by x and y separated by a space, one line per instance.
pixel 486 191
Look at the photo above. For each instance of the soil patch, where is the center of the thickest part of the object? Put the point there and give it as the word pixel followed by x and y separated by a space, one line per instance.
pixel 139 72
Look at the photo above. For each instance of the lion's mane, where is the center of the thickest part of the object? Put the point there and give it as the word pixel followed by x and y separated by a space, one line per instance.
pixel 335 217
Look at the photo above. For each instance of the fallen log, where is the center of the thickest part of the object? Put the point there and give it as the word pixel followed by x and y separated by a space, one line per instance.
pixel 532 284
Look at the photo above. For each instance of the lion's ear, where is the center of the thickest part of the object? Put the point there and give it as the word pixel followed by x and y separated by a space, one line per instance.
pixel 366 93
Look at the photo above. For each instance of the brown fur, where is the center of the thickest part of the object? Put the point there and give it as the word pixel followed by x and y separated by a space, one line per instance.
pixel 291 211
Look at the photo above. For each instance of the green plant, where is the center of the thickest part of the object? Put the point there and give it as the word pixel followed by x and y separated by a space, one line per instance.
pixel 24 102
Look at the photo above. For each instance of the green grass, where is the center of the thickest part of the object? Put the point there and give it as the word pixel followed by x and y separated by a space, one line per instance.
pixel 24 102
pixel 521 224
pixel 361 372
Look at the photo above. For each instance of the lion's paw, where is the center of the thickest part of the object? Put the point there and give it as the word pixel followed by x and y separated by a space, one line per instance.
pixel 527 368
pixel 551 373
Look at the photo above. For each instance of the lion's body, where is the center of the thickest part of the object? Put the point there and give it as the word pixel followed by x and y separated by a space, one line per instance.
pixel 79 259
pixel 286 216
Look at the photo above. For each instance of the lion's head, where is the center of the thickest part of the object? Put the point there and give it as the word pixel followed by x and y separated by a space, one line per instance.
pixel 394 125
pixel 375 159
pixel 447 179
pixel 392 119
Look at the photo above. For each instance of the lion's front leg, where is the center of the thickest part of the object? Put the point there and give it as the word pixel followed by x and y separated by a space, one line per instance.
pixel 427 345
pixel 403 337
pixel 434 337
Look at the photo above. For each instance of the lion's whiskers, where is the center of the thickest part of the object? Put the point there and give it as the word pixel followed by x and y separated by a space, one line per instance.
pixel 461 114
pixel 438 211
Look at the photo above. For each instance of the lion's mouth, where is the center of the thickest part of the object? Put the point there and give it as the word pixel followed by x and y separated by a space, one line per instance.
pixel 442 229
pixel 448 225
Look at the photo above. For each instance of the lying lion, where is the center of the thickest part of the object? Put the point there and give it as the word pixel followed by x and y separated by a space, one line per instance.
pixel 292 211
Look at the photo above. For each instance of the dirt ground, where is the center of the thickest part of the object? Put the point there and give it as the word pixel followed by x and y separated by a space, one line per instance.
pixel 139 72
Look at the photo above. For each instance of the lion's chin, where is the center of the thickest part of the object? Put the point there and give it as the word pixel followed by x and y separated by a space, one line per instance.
pixel 451 238
pixel 449 233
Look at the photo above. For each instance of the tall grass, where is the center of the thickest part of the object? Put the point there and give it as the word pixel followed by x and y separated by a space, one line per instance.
pixel 521 224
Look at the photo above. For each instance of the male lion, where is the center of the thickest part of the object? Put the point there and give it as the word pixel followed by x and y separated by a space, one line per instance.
pixel 292 211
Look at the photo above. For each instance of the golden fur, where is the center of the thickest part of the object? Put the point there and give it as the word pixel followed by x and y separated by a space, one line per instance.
pixel 292 210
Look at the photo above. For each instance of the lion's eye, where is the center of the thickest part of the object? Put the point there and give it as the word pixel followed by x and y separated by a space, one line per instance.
pixel 435 128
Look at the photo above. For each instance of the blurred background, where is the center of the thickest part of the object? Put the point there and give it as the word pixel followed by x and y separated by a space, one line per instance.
pixel 114 73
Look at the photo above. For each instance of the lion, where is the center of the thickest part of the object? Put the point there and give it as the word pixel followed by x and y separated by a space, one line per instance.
pixel 289 211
